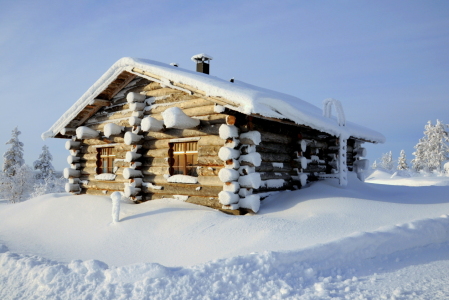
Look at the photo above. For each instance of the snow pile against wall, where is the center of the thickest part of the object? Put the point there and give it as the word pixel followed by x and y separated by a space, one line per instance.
pixel 245 98
pixel 313 272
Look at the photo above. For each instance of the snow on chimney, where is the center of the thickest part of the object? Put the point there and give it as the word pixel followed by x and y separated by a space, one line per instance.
pixel 202 62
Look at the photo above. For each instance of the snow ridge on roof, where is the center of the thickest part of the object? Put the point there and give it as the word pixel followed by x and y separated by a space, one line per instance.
pixel 250 99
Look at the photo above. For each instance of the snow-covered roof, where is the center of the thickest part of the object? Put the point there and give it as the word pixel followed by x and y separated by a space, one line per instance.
pixel 242 97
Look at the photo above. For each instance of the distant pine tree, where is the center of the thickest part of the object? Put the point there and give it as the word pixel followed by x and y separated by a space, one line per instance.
pixel 431 150
pixel 13 157
pixel 402 161
pixel 44 165
pixel 387 162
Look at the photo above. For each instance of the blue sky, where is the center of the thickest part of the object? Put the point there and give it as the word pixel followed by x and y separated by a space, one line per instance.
pixel 386 61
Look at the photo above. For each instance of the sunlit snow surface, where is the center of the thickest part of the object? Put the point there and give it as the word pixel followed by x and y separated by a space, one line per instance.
pixel 368 241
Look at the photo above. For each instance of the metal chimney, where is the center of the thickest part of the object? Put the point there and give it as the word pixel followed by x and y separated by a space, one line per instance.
pixel 202 62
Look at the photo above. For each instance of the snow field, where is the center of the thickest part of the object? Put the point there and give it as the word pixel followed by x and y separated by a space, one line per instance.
pixel 320 272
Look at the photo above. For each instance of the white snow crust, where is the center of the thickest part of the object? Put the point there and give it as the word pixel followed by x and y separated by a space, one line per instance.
pixel 151 124
pixel 105 176
pixel 251 201
pixel 233 187
pixel 252 158
pixel 112 129
pixel 228 131
pixel 182 179
pixel 84 132
pixel 247 99
pixel 228 175
pixel 251 137
pixel 227 198
pixel 174 117
pixel 226 153
pixel 250 181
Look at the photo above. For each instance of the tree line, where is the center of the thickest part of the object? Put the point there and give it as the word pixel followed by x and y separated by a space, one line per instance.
pixel 432 151
pixel 18 181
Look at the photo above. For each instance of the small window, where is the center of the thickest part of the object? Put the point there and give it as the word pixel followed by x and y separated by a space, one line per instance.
pixel 105 160
pixel 183 158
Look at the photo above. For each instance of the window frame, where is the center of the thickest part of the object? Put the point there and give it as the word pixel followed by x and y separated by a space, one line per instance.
pixel 185 153
pixel 101 156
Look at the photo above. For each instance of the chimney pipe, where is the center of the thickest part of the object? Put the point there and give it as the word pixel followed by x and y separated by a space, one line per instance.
pixel 202 62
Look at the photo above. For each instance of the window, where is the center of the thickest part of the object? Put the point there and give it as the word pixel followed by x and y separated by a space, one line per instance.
pixel 183 158
pixel 105 160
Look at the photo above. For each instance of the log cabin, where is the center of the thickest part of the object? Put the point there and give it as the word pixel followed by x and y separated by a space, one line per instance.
pixel 152 130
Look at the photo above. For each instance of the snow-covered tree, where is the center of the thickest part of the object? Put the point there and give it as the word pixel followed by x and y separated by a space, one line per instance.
pixel 374 166
pixel 387 162
pixel 13 157
pixel 402 161
pixel 44 165
pixel 432 150
pixel 17 187
pixel 49 185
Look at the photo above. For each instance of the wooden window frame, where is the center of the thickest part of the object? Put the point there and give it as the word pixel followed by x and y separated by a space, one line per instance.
pixel 188 151
pixel 102 154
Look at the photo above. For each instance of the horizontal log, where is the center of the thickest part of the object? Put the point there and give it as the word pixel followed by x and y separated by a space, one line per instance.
pixel 101 117
pixel 118 179
pixel 119 122
pixel 213 119
pixel 204 201
pixel 274 148
pixel 184 104
pixel 104 141
pixel 94 192
pixel 117 148
pixel 154 161
pixel 275 175
pixel 155 170
pixel 181 133
pixel 202 180
pixel 210 161
pixel 275 157
pixel 162 92
pixel 103 185
pixel 210 140
pixel 208 150
pixel 208 171
pixel 268 167
pixel 185 189
pixel 275 138
pixel 161 153
pixel 191 112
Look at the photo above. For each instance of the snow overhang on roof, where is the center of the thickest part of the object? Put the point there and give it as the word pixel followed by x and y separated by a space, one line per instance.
pixel 239 96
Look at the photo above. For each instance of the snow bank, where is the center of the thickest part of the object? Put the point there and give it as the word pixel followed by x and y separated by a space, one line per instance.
pixel 311 273
pixel 247 98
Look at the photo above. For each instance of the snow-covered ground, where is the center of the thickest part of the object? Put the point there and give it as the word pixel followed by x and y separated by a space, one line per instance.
pixel 366 241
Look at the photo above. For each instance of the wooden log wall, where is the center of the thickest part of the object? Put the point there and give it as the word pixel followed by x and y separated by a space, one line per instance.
pixel 155 145
pixel 287 152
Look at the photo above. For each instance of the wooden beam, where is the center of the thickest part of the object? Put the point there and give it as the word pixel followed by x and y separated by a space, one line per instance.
pixel 101 102
pixel 123 84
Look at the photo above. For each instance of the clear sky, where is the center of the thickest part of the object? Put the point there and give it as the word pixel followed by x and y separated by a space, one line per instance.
pixel 386 61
